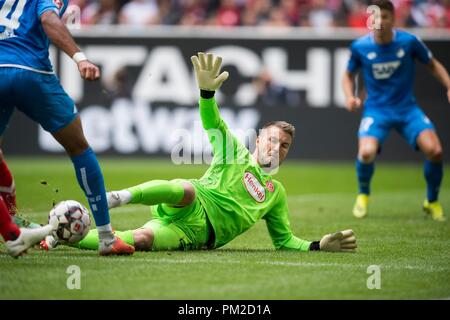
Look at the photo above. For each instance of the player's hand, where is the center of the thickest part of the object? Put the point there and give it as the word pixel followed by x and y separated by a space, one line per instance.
pixel 353 104
pixel 88 70
pixel 207 68
pixel 341 241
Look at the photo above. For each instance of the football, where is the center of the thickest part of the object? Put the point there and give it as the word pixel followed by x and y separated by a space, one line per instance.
pixel 71 221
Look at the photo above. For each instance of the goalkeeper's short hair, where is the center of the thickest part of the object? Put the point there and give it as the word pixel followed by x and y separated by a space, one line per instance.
pixel 283 125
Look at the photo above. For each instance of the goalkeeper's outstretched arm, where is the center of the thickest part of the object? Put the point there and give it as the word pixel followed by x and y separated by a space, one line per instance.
pixel 207 69
pixel 277 221
pixel 439 72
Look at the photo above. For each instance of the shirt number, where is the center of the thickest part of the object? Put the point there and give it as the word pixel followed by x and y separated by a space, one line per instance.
pixel 365 124
pixel 9 21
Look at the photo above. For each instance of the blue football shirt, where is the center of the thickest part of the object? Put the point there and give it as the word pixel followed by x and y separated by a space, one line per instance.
pixel 23 42
pixel 388 70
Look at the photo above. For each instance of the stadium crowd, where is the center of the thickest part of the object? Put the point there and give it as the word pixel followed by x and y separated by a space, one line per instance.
pixel 231 13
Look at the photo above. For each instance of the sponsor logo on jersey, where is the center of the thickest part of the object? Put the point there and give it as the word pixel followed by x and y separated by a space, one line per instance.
pixel 384 70
pixel 371 55
pixel 254 187
pixel 270 186
pixel 400 53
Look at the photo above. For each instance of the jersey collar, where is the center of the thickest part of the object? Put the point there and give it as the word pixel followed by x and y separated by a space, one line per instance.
pixel 394 38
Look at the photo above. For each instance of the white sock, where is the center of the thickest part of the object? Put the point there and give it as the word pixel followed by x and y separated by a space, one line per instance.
pixel 125 196
pixel 105 232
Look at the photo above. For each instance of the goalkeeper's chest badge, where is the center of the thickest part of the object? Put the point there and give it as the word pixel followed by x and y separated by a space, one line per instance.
pixel 269 186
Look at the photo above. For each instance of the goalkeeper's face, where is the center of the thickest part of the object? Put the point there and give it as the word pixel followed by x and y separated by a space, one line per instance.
pixel 272 147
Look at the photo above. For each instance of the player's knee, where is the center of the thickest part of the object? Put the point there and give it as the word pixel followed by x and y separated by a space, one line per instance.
pixel 189 194
pixel 434 153
pixel 76 148
pixel 72 138
pixel 143 239
pixel 367 153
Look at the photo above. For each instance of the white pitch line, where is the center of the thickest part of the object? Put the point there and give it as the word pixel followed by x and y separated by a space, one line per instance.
pixel 362 266
pixel 316 196
pixel 263 262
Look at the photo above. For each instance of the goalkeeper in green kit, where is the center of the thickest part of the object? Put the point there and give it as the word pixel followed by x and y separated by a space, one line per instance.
pixel 235 192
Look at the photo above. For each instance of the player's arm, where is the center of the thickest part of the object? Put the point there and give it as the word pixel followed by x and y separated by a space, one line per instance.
pixel 424 55
pixel 352 102
pixel 60 36
pixel 439 72
pixel 207 68
pixel 279 229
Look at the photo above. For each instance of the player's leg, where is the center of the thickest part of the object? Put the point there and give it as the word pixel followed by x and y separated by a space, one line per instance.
pixel 430 145
pixel 91 241
pixel 177 192
pixel 90 179
pixel 420 134
pixel 365 167
pixel 185 234
pixel 183 228
pixel 8 229
pixel 177 198
pixel 372 132
pixel 168 236
pixel 47 103
pixel 18 241
pixel 365 163
pixel 7 185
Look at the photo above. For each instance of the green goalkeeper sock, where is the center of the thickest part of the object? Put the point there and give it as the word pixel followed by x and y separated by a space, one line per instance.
pixel 90 242
pixel 156 192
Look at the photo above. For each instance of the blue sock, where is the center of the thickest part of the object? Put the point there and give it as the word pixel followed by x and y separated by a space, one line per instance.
pixel 365 173
pixel 433 172
pixel 90 179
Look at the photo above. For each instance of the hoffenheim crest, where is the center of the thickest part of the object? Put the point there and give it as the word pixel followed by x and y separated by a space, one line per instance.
pixel 371 55
pixel 400 53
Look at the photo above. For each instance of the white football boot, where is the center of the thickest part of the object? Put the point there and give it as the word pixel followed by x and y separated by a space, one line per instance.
pixel 27 239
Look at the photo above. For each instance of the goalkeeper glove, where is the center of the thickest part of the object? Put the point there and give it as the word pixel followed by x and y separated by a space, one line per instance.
pixel 207 70
pixel 341 241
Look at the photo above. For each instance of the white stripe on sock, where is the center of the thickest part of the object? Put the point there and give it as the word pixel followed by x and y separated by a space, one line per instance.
pixel 9 189
pixel 84 180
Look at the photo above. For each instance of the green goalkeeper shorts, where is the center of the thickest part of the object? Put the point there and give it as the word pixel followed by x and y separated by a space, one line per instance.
pixel 183 228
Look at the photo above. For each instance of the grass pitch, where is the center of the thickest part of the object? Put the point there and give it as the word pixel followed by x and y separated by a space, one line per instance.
pixel 413 252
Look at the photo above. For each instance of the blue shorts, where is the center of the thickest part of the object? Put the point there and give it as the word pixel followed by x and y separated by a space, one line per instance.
pixel 408 124
pixel 39 96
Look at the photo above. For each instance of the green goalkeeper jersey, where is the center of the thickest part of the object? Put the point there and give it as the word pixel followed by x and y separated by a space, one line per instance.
pixel 236 192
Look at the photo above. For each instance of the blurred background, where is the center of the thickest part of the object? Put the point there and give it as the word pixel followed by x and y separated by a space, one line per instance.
pixel 274 13
pixel 286 59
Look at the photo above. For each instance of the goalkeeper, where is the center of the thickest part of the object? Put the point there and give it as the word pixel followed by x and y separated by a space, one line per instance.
pixel 235 192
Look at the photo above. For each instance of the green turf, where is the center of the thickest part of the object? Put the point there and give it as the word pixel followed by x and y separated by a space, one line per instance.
pixel 412 252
